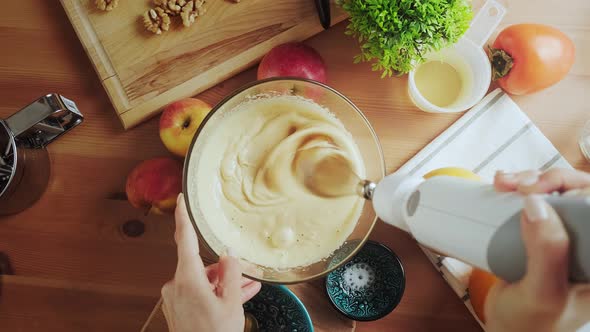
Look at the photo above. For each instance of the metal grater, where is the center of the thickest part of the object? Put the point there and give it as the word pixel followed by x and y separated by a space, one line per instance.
pixel 6 161
pixel 24 161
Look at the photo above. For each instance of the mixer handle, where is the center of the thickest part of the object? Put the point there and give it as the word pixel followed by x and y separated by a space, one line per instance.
pixel 44 120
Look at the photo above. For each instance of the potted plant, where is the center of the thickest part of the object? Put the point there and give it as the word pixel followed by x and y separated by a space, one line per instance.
pixel 396 34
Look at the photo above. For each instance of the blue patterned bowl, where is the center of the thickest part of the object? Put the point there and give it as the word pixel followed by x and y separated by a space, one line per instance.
pixel 369 286
pixel 277 309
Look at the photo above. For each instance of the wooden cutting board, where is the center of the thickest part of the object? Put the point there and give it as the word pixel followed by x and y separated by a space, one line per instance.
pixel 142 72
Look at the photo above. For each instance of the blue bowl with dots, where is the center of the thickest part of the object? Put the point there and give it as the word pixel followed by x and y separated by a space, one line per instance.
pixel 369 286
pixel 276 309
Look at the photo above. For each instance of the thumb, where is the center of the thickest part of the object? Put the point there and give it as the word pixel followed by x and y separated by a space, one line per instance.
pixel 230 278
pixel 547 246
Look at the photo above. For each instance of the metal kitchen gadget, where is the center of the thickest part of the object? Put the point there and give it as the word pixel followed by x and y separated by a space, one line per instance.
pixel 24 160
pixel 471 221
pixel 461 218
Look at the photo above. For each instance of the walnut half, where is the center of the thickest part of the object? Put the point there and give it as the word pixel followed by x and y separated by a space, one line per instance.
pixel 106 5
pixel 192 10
pixel 156 20
pixel 171 7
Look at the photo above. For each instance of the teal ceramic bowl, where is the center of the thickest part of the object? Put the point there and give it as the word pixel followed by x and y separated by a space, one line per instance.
pixel 277 309
pixel 369 286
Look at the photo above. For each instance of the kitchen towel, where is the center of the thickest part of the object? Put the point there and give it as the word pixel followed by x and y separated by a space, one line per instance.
pixel 494 135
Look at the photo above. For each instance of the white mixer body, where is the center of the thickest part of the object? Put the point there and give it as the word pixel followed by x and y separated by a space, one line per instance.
pixel 454 216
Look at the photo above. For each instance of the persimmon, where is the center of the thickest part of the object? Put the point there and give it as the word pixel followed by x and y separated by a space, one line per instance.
pixel 480 283
pixel 527 58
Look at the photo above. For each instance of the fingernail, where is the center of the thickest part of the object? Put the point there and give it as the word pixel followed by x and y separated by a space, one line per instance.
pixel 231 252
pixel 180 196
pixel 506 176
pixel 529 180
pixel 535 208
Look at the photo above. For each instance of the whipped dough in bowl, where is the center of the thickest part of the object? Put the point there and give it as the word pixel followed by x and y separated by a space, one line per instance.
pixel 242 181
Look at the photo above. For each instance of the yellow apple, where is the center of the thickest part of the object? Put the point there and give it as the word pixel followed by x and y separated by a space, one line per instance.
pixel 453 171
pixel 179 123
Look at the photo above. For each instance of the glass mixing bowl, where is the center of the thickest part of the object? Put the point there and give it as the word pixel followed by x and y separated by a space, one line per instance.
pixel 354 121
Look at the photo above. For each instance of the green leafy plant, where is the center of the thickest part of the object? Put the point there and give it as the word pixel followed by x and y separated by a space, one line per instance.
pixel 396 34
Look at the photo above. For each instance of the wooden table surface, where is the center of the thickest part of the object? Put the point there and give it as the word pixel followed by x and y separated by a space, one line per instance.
pixel 77 271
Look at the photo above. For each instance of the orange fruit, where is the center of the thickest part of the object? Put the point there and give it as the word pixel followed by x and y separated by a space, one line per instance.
pixel 480 283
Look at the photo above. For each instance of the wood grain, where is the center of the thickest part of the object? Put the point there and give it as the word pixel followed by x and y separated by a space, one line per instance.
pixel 74 233
pixel 53 305
pixel 142 72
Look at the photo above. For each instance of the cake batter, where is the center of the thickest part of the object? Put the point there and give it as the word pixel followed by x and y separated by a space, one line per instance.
pixel 248 191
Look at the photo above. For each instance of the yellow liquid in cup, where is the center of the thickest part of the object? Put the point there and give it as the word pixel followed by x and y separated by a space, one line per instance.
pixel 439 82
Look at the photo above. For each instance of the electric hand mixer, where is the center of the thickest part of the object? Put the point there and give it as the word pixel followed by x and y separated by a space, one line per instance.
pixel 460 218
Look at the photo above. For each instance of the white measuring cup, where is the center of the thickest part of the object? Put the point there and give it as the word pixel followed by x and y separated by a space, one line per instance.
pixel 470 60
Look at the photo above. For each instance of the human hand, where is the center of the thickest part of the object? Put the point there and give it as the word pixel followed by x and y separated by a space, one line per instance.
pixel 543 300
pixel 203 298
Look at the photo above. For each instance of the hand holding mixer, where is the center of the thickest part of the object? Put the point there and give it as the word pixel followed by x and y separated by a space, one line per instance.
pixel 460 218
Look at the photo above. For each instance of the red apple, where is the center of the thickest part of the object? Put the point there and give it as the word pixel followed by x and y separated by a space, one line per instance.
pixel 154 185
pixel 179 123
pixel 293 59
